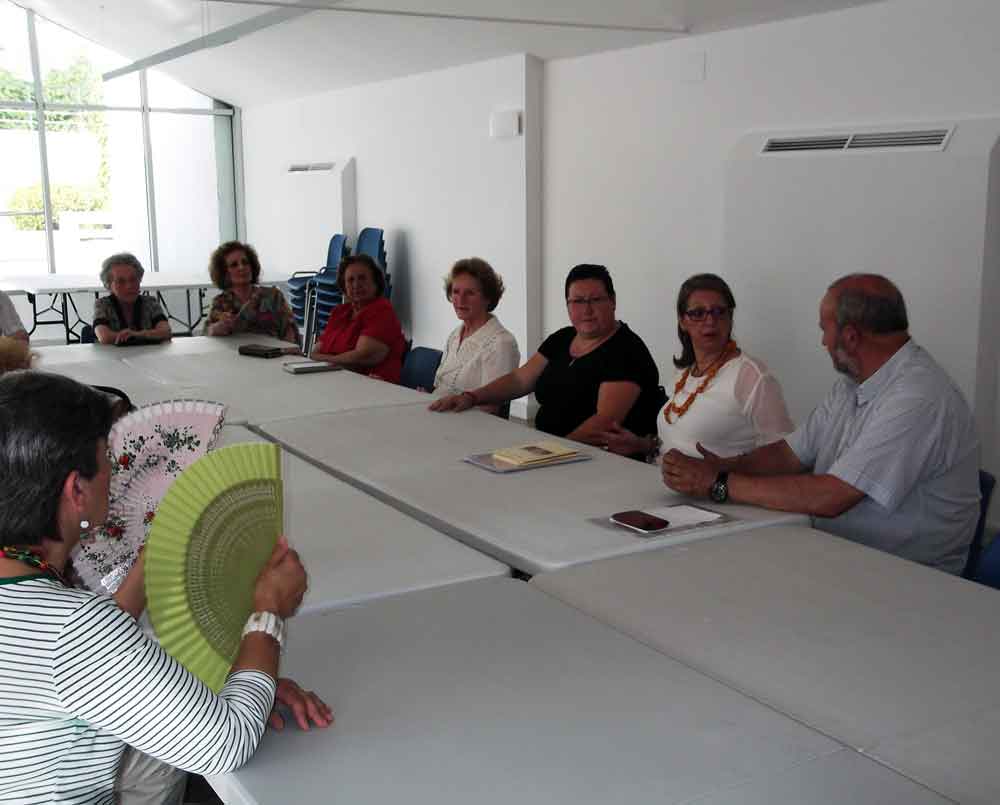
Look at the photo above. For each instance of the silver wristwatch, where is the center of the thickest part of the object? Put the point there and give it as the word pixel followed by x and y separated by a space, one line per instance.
pixel 266 622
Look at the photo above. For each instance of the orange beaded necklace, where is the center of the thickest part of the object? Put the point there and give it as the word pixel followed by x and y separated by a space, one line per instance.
pixel 710 373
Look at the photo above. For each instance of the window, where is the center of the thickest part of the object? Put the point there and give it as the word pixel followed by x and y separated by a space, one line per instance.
pixel 192 217
pixel 140 163
pixel 16 81
pixel 97 186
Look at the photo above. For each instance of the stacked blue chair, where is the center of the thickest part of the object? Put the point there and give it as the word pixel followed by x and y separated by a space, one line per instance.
pixel 327 296
pixel 988 569
pixel 335 253
pixel 371 241
pixel 297 291
pixel 301 287
pixel 986 484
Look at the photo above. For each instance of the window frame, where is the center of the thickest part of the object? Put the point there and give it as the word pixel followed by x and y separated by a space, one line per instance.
pixel 233 196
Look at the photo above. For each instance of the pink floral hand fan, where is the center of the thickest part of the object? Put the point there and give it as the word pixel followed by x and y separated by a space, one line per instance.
pixel 148 448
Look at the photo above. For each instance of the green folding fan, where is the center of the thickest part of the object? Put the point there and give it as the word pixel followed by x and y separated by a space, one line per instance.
pixel 214 530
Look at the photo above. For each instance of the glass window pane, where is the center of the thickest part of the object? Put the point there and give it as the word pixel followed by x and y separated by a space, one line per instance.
pixel 16 83
pixel 22 218
pixel 194 212
pixel 72 66
pixel 165 93
pixel 98 185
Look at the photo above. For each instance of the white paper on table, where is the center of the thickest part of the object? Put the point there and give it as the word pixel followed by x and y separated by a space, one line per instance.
pixel 681 515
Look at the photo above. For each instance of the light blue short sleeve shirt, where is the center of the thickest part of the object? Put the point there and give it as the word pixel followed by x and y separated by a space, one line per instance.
pixel 906 438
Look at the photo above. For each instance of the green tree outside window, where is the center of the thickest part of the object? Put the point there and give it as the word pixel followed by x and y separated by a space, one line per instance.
pixel 80 84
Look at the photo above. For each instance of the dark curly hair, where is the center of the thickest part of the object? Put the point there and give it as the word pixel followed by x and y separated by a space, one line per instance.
pixel 490 283
pixel 49 427
pixel 217 263
pixel 361 259
pixel 699 282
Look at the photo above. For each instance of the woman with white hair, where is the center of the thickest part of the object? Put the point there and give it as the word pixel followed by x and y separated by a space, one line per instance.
pixel 126 314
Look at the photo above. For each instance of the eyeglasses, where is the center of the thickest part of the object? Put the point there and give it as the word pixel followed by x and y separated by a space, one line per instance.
pixel 590 301
pixel 717 312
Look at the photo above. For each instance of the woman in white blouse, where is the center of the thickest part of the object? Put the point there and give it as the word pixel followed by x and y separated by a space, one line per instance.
pixel 480 349
pixel 720 398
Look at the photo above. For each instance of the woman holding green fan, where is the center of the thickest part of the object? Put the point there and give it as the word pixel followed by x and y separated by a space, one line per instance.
pixel 78 678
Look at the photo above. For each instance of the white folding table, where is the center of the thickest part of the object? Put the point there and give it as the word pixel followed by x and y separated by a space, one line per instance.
pixel 356 549
pixel 895 659
pixel 538 520
pixel 255 389
pixel 491 692
pixel 55 355
pixel 260 390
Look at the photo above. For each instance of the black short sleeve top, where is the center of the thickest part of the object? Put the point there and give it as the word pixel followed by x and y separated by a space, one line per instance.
pixel 567 388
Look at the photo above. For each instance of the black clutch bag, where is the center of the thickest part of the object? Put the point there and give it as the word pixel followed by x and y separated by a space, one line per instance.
pixel 261 351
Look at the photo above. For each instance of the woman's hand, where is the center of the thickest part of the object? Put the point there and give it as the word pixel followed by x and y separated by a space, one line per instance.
pixel 282 582
pixel 616 439
pixel 224 326
pixel 453 402
pixel 123 335
pixel 328 357
pixel 131 593
pixel 305 706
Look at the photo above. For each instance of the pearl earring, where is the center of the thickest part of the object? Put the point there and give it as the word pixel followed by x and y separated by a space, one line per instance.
pixel 85 524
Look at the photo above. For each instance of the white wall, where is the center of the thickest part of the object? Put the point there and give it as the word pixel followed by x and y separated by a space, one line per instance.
pixel 636 144
pixel 632 166
pixel 427 173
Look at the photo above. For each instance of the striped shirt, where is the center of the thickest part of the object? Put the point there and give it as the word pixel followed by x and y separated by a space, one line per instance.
pixel 79 679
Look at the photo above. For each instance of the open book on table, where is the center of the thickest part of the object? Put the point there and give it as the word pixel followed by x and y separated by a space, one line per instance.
pixel 527 457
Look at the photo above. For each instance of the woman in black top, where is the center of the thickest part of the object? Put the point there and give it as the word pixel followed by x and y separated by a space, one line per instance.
pixel 586 376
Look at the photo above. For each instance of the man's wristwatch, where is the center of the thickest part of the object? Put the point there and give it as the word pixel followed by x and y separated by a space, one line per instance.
pixel 719 491
pixel 266 622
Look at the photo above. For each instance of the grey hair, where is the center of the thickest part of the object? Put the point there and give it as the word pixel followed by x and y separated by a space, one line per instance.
pixel 120 259
pixel 50 426
pixel 871 303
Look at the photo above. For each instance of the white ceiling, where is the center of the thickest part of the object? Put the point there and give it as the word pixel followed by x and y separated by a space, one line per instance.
pixel 324 50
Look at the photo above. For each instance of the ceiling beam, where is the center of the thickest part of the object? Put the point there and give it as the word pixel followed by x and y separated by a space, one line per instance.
pixel 319 5
pixel 213 40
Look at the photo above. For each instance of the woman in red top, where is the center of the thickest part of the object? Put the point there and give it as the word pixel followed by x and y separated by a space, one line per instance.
pixel 363 333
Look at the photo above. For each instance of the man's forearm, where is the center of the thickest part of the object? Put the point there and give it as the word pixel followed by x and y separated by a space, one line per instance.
pixel 819 495
pixel 776 458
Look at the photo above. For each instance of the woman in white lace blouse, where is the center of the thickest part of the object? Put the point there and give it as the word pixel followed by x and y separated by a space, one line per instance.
pixel 480 349
pixel 720 397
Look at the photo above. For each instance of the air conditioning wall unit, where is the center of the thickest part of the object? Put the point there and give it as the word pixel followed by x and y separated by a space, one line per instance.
pixel 310 202
pixel 917 202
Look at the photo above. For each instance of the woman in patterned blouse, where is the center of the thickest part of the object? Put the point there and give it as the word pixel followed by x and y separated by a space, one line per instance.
pixel 126 313
pixel 244 306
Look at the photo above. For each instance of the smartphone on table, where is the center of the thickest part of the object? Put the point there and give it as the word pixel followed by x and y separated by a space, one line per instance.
pixel 643 522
